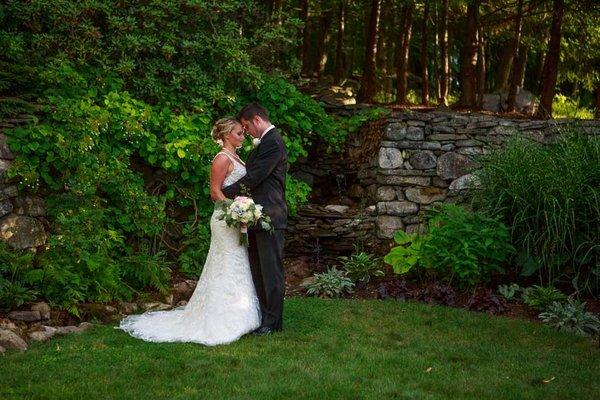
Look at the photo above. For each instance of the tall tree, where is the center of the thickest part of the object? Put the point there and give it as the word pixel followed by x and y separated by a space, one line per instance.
pixel 468 80
pixel 305 37
pixel 597 113
pixel 323 37
pixel 481 67
pixel 276 11
pixel 444 72
pixel 515 70
pixel 368 85
pixel 403 50
pixel 550 72
pixel 339 49
pixel 424 57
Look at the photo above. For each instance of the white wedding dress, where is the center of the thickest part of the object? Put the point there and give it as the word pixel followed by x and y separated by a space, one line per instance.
pixel 223 307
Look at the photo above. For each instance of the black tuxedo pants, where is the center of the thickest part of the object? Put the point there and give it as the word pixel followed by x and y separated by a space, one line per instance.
pixel 266 262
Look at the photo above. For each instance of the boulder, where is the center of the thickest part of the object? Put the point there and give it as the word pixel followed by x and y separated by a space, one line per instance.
pixel 6 192
pixel 11 340
pixel 425 195
pixel 386 193
pixel 82 327
pixel 26 316
pixel 29 205
pixel 415 133
pixel 127 308
pixel 398 208
pixel 47 332
pixel 395 131
pixel 387 225
pixel 423 160
pixel 6 207
pixel 452 165
pixel 22 232
pixel 42 308
pixel 468 181
pixel 390 158
pixel 5 152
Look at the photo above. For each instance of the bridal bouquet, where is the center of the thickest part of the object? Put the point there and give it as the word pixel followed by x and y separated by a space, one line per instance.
pixel 242 212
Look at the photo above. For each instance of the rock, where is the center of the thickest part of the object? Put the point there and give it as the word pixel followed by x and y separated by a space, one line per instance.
pixel 6 207
pixel 110 310
pixel 11 340
pixel 27 316
pixel 423 160
pixel 128 308
pixel 169 299
pixel 30 205
pixel 443 129
pixel 2 350
pixel 386 193
pixel 390 157
pixel 42 335
pixel 398 208
pixel 182 288
pixel 404 180
pixel 6 192
pixel 468 181
pixel 22 232
pixel 304 177
pixel 337 208
pixel 491 102
pixel 356 191
pixel 415 228
pixel 425 195
pixel 182 303
pixel 308 281
pixel 452 165
pixel 156 306
pixel 5 152
pixel 415 133
pixel 4 165
pixel 388 225
pixel 82 327
pixel 43 309
pixel 8 324
pixel 395 131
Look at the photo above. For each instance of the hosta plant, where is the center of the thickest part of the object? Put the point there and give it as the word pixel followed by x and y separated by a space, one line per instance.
pixel 540 297
pixel 360 267
pixel 332 283
pixel 571 317
pixel 510 292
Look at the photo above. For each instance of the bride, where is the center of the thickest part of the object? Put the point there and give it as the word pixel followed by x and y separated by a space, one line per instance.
pixel 224 305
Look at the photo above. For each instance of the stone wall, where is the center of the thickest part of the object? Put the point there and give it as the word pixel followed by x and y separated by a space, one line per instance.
pixel 426 158
pixel 22 217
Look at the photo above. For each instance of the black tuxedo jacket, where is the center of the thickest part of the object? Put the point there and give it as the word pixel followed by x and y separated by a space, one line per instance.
pixel 266 169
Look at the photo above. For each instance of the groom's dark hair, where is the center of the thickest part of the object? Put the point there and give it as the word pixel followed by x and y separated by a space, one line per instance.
pixel 251 111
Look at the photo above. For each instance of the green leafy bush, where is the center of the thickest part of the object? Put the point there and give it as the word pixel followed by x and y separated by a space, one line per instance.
pixel 571 317
pixel 332 283
pixel 361 267
pixel 510 292
pixel 460 246
pixel 549 196
pixel 17 277
pixel 541 298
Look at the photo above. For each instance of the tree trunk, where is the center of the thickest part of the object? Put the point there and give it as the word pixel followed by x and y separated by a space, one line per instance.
pixel 522 65
pixel 322 42
pixel 550 73
pixel 506 60
pixel 598 101
pixel 339 50
pixel 481 68
pixel 444 72
pixel 276 11
pixel 367 87
pixel 514 74
pixel 469 57
pixel 305 37
pixel 425 58
pixel 403 53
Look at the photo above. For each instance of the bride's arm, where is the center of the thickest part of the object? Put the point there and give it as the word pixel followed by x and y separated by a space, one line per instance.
pixel 219 170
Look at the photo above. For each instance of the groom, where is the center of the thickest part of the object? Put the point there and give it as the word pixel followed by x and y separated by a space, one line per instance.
pixel 266 169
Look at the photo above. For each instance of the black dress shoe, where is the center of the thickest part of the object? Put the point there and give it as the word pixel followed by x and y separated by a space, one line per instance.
pixel 263 330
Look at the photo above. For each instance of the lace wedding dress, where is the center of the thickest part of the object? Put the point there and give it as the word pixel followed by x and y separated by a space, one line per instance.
pixel 223 306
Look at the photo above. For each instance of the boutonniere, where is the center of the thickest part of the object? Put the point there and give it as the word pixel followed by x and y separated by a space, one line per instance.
pixel 255 142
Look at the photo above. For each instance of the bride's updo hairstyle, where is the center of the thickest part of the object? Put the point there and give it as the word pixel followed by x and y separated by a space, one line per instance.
pixel 222 128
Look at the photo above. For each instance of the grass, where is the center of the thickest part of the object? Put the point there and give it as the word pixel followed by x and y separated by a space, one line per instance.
pixel 347 349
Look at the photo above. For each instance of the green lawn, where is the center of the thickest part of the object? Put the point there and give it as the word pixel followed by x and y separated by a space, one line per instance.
pixel 329 349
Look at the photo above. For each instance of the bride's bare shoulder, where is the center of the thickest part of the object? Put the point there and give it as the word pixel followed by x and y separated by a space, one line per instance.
pixel 221 162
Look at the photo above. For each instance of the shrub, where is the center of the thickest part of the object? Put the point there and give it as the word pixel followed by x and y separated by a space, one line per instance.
pixel 510 292
pixel 484 300
pixel 332 283
pixel 360 267
pixel 460 245
pixel 541 298
pixel 549 196
pixel 17 277
pixel 571 317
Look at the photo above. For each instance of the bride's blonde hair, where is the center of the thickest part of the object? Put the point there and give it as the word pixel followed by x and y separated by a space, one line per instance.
pixel 222 128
